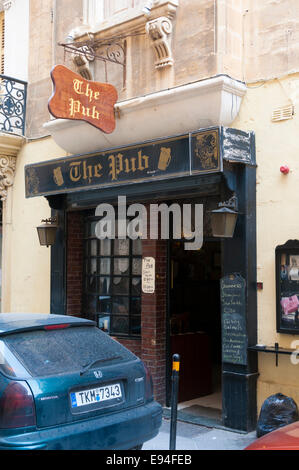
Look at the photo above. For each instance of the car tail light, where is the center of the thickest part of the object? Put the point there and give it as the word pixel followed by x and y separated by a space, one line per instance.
pixel 60 326
pixel 149 390
pixel 17 406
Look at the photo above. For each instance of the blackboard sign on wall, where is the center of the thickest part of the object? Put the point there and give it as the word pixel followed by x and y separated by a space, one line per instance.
pixel 234 337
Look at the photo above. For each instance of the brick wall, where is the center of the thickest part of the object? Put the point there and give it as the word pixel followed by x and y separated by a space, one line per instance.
pixel 133 345
pixel 152 347
pixel 74 275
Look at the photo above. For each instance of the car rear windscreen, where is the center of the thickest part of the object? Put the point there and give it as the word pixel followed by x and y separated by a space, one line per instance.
pixel 52 352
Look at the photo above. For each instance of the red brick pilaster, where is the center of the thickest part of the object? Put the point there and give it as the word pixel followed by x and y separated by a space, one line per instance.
pixel 153 319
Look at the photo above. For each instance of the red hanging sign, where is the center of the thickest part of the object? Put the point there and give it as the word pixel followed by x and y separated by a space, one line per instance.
pixel 84 100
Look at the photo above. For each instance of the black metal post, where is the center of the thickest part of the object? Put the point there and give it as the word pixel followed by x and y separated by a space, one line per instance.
pixel 276 349
pixel 174 399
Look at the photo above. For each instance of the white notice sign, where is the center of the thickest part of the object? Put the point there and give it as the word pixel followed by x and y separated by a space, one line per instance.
pixel 148 275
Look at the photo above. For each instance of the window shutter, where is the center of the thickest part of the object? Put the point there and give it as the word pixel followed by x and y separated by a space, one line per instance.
pixel 114 7
pixel 98 10
pixel 138 3
pixel 2 38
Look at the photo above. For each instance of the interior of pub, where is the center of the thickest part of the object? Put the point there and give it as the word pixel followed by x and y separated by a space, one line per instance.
pixel 195 325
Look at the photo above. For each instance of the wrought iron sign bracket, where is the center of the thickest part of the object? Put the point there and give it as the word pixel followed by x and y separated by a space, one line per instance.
pixel 110 50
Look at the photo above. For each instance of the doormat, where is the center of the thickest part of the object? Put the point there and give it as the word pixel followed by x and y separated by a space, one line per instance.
pixel 202 416
pixel 197 410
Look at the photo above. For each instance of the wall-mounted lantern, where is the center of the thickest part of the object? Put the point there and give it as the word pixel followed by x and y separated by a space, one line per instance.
pixel 223 219
pixel 47 231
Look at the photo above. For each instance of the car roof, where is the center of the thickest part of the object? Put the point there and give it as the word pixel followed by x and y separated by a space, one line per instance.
pixel 16 322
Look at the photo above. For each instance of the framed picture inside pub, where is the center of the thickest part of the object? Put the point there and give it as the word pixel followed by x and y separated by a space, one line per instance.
pixel 287 287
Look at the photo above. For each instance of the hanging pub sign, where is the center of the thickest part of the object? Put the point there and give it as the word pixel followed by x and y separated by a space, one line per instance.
pixel 79 99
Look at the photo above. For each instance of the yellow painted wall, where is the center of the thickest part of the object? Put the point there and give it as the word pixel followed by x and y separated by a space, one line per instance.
pixel 277 144
pixel 29 273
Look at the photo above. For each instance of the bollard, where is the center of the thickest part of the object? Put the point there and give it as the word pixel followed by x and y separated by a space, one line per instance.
pixel 174 400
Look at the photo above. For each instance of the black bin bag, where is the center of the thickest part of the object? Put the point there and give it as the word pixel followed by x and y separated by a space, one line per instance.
pixel 277 410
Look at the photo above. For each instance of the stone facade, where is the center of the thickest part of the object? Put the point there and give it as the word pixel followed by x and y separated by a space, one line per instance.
pixel 245 39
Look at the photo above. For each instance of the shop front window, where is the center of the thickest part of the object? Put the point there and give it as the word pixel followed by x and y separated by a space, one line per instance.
pixel 112 282
pixel 287 287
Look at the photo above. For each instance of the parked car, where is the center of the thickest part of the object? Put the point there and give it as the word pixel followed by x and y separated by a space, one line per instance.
pixel 284 438
pixel 65 384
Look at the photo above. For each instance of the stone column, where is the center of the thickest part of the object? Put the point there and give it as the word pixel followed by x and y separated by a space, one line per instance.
pixel 9 147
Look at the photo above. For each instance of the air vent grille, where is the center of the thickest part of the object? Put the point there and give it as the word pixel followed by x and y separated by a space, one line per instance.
pixel 283 113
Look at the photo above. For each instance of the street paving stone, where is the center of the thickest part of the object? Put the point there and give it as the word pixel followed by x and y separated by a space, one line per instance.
pixel 195 437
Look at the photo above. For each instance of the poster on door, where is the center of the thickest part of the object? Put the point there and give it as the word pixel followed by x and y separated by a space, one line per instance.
pixel 148 275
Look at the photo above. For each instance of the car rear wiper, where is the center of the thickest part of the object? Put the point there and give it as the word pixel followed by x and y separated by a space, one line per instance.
pixel 92 363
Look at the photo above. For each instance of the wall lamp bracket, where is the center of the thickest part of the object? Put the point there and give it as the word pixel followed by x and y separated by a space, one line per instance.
pixel 47 231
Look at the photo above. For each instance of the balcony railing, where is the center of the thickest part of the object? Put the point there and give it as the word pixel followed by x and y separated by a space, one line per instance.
pixel 13 95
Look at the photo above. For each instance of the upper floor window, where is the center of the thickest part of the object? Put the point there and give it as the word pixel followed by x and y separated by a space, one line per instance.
pixel 115 7
pixel 96 11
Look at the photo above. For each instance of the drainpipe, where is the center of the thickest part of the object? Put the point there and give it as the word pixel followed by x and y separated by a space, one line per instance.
pixel 54 33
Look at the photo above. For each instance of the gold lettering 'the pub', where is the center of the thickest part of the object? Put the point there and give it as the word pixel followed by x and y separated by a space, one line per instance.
pixel 119 164
pixel 76 107
pixel 87 91
pixel 80 170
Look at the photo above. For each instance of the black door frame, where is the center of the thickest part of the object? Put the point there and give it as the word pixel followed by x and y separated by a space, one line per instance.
pixel 168 333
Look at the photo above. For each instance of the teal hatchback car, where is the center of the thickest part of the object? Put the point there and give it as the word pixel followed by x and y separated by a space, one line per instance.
pixel 65 384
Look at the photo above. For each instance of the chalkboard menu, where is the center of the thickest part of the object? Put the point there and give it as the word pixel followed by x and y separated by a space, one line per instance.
pixel 234 337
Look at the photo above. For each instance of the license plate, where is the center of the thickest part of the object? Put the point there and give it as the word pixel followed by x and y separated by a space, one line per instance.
pixel 95 395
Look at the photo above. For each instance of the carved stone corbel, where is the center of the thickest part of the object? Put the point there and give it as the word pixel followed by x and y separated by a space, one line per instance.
pixel 10 145
pixel 159 31
pixel 7 174
pixel 7 4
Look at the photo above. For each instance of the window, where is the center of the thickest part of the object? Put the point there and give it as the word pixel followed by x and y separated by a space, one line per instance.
pixel 287 287
pixel 54 352
pixel 112 282
pixel 96 11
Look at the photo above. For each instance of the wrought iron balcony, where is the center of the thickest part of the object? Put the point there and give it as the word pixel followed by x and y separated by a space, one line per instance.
pixel 13 95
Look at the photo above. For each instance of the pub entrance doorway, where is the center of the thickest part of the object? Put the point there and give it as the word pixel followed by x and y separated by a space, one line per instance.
pixel 195 325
